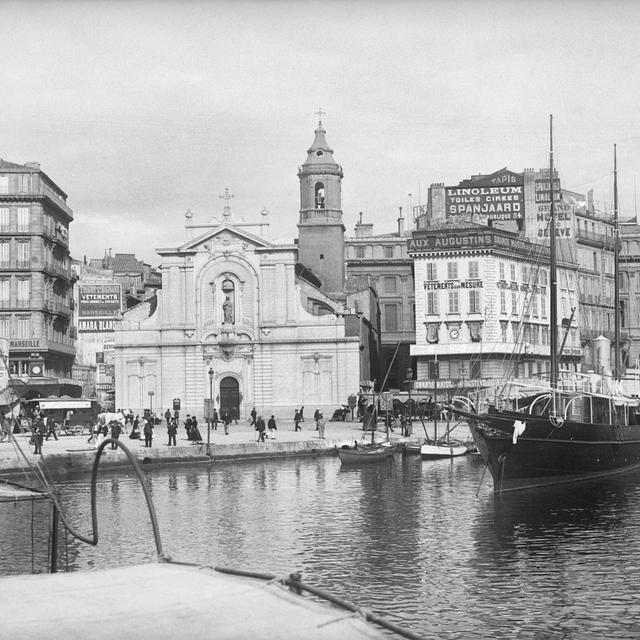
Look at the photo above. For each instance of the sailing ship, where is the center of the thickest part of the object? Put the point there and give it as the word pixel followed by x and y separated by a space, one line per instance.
pixel 574 428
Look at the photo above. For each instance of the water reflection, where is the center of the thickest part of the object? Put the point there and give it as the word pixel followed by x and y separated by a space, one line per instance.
pixel 409 539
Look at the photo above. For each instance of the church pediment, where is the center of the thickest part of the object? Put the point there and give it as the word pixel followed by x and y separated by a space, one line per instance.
pixel 222 237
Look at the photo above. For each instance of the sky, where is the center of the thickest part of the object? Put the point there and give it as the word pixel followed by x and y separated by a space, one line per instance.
pixel 140 111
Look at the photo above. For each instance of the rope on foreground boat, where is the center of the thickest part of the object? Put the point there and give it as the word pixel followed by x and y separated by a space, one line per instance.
pixel 93 540
pixel 294 583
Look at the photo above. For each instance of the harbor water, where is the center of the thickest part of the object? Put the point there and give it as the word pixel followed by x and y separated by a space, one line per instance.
pixel 407 539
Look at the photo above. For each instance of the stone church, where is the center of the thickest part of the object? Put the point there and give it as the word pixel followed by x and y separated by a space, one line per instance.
pixel 250 322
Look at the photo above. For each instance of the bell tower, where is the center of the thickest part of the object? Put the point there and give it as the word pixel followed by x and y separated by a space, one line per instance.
pixel 320 229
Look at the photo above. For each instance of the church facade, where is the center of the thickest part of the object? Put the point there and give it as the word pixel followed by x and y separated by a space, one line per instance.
pixel 240 320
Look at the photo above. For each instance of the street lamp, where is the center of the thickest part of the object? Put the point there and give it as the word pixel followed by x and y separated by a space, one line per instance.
pixel 151 402
pixel 210 411
pixel 409 427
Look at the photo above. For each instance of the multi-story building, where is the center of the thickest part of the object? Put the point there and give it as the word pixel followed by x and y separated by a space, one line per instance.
pixel 630 292
pixel 481 298
pixel 36 281
pixel 383 263
pixel 105 288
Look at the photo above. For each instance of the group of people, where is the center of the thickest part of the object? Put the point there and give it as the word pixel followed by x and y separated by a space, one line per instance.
pixel 261 428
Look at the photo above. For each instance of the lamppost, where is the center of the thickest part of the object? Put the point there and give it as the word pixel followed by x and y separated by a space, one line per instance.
pixel 150 403
pixel 409 428
pixel 210 411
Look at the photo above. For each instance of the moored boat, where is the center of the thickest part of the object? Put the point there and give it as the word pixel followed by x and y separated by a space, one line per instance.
pixel 437 451
pixel 359 453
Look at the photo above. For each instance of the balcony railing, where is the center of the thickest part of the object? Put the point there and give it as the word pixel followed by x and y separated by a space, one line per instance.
pixel 598 238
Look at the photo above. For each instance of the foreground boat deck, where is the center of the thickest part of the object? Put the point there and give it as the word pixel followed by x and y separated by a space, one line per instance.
pixel 166 601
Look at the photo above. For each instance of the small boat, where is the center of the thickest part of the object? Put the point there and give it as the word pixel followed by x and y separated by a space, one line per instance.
pixel 365 452
pixel 443 450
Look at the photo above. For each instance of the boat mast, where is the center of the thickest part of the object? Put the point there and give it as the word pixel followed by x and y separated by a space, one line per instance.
pixel 616 257
pixel 553 281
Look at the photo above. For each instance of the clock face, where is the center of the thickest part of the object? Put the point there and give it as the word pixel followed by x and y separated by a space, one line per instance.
pixel 453 334
pixel 36 370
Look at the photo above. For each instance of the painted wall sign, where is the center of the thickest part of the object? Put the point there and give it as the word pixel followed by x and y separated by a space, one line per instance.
pixel 95 326
pixel 99 300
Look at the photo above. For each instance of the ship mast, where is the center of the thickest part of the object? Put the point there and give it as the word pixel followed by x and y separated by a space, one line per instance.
pixel 616 257
pixel 553 280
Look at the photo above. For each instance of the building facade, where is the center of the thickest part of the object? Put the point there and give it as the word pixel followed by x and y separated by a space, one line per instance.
pixel 36 281
pixel 247 321
pixel 382 262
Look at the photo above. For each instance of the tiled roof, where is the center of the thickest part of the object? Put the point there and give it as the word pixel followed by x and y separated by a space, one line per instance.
pixel 125 262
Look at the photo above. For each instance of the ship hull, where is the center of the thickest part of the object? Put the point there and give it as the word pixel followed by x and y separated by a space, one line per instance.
pixel 547 453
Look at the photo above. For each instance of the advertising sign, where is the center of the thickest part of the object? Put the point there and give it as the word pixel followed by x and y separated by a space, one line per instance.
pixel 95 326
pixel 95 300
pixel 499 196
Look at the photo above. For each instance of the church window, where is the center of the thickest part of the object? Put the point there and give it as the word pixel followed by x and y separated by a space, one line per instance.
pixel 359 252
pixel 319 195
pixel 390 284
pixel 390 317
pixel 388 252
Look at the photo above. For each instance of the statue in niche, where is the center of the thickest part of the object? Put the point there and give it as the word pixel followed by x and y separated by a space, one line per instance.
pixel 227 309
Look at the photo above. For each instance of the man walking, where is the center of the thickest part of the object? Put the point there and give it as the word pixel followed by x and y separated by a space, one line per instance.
pixel 260 427
pixel 172 430
pixel 296 420
pixel 321 426
pixel 148 432
pixel 116 430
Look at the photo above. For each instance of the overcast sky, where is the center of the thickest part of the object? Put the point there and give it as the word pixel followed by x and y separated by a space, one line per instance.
pixel 142 110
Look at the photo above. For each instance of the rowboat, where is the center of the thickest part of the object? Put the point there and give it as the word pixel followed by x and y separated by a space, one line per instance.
pixel 365 452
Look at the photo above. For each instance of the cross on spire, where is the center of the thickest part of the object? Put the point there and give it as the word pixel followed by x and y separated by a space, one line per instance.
pixel 320 113
pixel 226 196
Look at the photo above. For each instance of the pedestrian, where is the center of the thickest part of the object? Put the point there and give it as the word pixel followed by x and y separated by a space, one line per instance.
pixel 5 429
pixel 136 422
pixel 116 430
pixel 396 423
pixel 260 429
pixel 167 417
pixel 272 427
pixel 135 434
pixel 95 429
pixel 316 416
pixel 321 426
pixel 66 421
pixel 148 432
pixel 296 421
pixel 254 414
pixel 194 432
pixel 102 434
pixel 50 429
pixel 172 430
pixel 187 425
pixel 227 421
pixel 233 414
pixel 301 414
pixel 216 419
pixel 38 436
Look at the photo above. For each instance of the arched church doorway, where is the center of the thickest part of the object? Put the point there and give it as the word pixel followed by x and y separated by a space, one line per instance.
pixel 230 396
